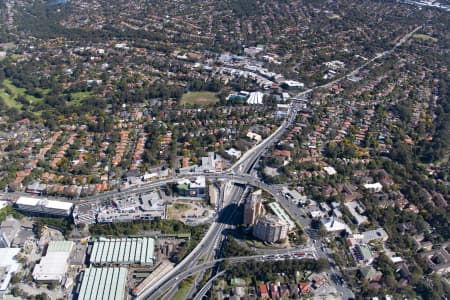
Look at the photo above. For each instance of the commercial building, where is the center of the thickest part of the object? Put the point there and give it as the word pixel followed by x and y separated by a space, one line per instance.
pixel 8 266
pixel 281 213
pixel 192 187
pixel 254 136
pixel 253 208
pixel 293 195
pixel 211 163
pixel 123 251
pixel 255 98
pixel 234 152
pixel 378 234
pixel 270 228
pixel 283 110
pixel 439 260
pixel 291 84
pixel 103 283
pixel 334 225
pixel 43 206
pixel 146 206
pixel 53 266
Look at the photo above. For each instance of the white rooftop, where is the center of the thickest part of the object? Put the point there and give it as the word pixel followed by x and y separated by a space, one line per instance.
pixel 52 267
pixel 52 204
pixel 23 200
pixel 255 98
pixel 7 261
pixel 3 204
pixel 58 204
pixel 292 83
pixel 373 186
pixel 333 224
pixel 330 170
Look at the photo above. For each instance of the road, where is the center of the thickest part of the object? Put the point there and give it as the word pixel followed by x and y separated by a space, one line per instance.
pixel 205 289
pixel 240 172
pixel 173 281
pixel 246 163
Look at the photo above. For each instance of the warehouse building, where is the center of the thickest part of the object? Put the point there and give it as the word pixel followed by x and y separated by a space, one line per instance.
pixel 103 283
pixel 124 251
pixel 53 266
pixel 43 206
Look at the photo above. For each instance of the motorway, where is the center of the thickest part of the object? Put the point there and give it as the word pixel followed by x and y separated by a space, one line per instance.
pixel 240 172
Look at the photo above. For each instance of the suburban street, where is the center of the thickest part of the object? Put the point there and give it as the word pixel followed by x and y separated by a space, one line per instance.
pixel 234 184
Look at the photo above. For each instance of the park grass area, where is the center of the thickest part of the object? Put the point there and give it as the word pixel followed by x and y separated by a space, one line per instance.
pixel 78 97
pixel 199 98
pixel 10 99
pixel 424 37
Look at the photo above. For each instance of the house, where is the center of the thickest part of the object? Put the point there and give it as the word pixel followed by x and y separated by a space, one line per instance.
pixel 370 274
pixel 284 291
pixel 304 287
pixel 274 291
pixel 373 187
pixel 263 293
pixel 286 154
pixel 330 171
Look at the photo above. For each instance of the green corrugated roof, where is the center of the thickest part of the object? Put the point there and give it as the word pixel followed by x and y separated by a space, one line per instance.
pixel 125 250
pixel 103 283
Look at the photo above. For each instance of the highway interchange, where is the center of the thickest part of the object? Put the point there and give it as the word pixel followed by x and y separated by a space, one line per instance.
pixel 242 172
pixel 234 183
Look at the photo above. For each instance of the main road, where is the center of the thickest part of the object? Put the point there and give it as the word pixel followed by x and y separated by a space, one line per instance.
pixel 241 171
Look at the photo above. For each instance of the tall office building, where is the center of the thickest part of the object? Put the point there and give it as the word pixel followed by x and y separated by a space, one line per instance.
pixel 270 228
pixel 253 208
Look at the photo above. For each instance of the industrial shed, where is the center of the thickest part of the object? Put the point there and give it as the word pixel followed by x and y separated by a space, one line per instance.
pixel 103 283
pixel 124 251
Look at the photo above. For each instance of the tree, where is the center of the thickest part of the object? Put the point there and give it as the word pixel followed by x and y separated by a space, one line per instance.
pixel 322 264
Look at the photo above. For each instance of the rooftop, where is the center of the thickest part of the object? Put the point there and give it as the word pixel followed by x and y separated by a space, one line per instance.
pixel 103 283
pixel 9 264
pixel 124 250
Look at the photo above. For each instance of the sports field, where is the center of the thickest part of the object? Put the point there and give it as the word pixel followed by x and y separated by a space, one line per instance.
pixel 199 98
